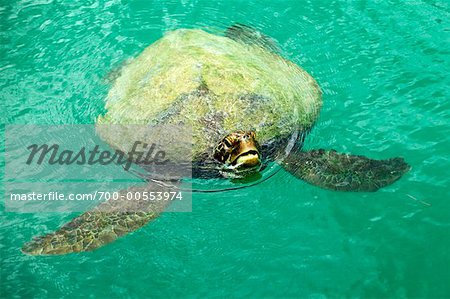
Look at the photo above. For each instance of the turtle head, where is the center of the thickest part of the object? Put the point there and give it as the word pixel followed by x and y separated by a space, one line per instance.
pixel 239 153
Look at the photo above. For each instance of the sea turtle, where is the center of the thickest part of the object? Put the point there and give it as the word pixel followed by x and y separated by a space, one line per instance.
pixel 246 106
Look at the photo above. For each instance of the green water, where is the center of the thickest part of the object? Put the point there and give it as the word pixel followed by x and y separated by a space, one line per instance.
pixel 383 67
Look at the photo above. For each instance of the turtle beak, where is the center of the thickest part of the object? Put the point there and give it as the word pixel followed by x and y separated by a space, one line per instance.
pixel 246 154
pixel 239 153
pixel 248 160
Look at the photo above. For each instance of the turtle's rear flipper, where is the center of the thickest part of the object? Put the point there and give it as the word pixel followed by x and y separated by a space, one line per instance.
pixel 248 35
pixel 331 170
pixel 102 225
pixel 116 71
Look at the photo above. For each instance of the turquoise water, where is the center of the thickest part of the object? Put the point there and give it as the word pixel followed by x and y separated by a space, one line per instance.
pixel 383 67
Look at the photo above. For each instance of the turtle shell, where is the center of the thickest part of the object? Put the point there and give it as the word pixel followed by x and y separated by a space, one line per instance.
pixel 213 85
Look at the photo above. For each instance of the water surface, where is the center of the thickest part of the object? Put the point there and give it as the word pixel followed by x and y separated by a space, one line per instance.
pixel 383 67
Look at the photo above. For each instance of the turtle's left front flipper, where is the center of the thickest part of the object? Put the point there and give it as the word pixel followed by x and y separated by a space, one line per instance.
pixel 104 224
pixel 332 170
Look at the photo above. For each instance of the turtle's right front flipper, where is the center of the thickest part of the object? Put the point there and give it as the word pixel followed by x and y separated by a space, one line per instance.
pixel 102 225
pixel 342 172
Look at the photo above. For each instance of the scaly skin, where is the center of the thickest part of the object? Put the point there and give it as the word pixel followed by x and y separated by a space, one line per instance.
pixel 102 225
pixel 342 172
